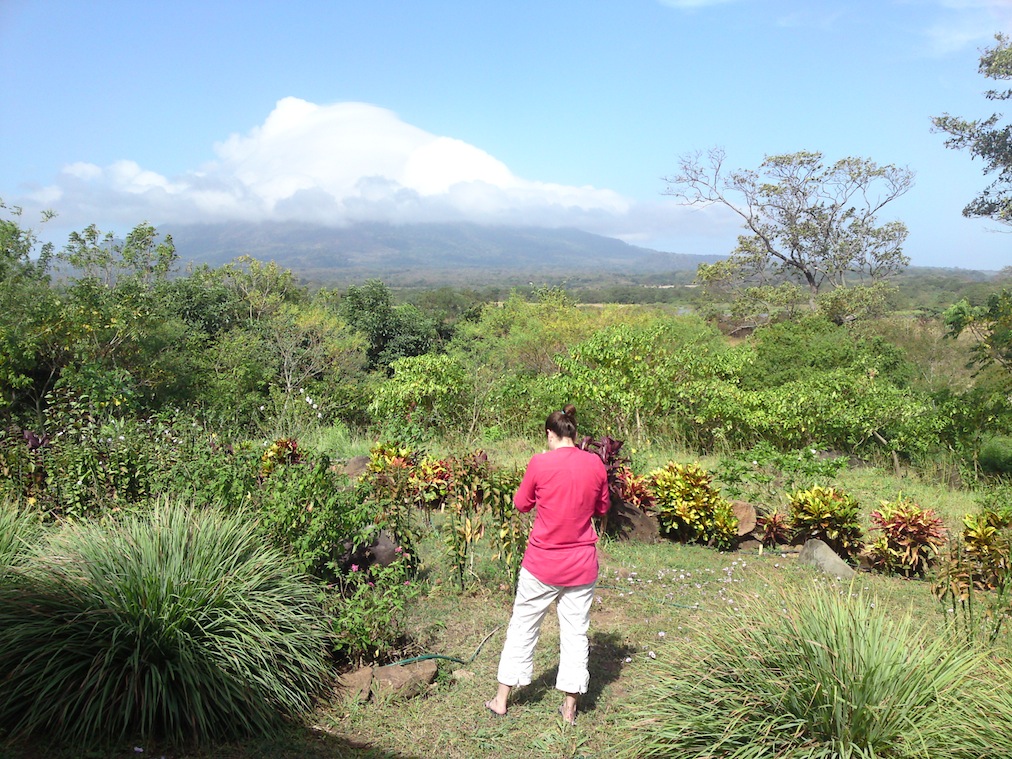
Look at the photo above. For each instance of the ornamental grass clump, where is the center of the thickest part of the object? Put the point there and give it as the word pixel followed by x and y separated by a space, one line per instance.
pixel 19 529
pixel 825 675
pixel 177 624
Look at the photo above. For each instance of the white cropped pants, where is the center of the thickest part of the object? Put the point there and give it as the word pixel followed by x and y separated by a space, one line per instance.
pixel 516 665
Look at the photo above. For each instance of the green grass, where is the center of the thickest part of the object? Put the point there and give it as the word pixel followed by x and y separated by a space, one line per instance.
pixel 870 486
pixel 338 442
pixel 657 609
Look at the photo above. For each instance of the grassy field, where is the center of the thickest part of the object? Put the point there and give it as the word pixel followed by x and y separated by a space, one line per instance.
pixel 654 603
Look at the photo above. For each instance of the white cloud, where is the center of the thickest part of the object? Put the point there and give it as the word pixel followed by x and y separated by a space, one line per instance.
pixel 331 164
pixel 811 18
pixel 350 162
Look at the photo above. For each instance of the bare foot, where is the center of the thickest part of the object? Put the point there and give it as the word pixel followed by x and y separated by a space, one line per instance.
pixel 493 707
pixel 568 715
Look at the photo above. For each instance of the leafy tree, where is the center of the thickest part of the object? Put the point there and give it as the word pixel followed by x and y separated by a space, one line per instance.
pixel 623 377
pixel 234 379
pixel 392 331
pixel 809 225
pixel 21 256
pixel 306 345
pixel 990 325
pixel 262 287
pixel 447 305
pixel 145 256
pixel 93 254
pixel 432 389
pixel 203 300
pixel 987 139
pixel 27 308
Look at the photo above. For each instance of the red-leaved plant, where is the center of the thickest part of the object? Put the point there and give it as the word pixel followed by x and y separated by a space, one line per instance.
pixel 608 449
pixel 634 489
pixel 773 529
pixel 910 537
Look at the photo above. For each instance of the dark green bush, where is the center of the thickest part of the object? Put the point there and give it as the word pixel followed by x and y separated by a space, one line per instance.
pixel 796 350
pixel 315 514
pixel 177 624
pixel 87 466
pixel 368 611
pixel 996 455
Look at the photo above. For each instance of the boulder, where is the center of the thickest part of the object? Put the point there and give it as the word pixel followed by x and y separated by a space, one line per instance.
pixel 746 514
pixel 399 681
pixel 356 466
pixel 461 675
pixel 630 523
pixel 825 559
pixel 383 551
pixel 355 686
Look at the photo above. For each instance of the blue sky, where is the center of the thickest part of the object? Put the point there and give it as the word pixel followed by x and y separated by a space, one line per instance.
pixel 546 112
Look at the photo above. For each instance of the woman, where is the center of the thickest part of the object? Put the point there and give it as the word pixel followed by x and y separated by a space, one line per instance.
pixel 568 486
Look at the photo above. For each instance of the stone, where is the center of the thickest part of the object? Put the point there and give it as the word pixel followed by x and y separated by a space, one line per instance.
pixel 355 686
pixel 383 551
pixel 461 675
pixel 356 466
pixel 401 681
pixel 746 514
pixel 825 559
pixel 630 523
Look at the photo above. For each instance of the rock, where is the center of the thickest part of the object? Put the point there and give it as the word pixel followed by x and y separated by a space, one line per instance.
pixel 383 551
pixel 356 466
pixel 356 685
pixel 750 545
pixel 823 558
pixel 460 675
pixel 746 514
pixel 399 681
pixel 630 523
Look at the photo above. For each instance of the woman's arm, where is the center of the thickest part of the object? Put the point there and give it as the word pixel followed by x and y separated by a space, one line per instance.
pixel 524 497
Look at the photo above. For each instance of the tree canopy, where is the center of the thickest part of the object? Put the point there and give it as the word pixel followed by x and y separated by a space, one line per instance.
pixel 990 325
pixel 988 139
pixel 810 224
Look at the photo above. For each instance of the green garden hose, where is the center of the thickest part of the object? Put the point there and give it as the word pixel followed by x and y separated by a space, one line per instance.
pixel 423 657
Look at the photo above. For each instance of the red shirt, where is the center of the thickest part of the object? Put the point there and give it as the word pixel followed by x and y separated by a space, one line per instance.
pixel 568 486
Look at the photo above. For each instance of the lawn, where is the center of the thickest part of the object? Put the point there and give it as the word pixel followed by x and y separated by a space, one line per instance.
pixel 654 603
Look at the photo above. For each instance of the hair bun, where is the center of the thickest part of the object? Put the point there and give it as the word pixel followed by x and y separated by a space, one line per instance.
pixel 570 411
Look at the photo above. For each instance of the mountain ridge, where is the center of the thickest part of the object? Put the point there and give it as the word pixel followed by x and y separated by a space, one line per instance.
pixel 421 250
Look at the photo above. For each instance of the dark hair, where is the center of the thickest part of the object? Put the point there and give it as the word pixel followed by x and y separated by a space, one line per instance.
pixel 563 423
